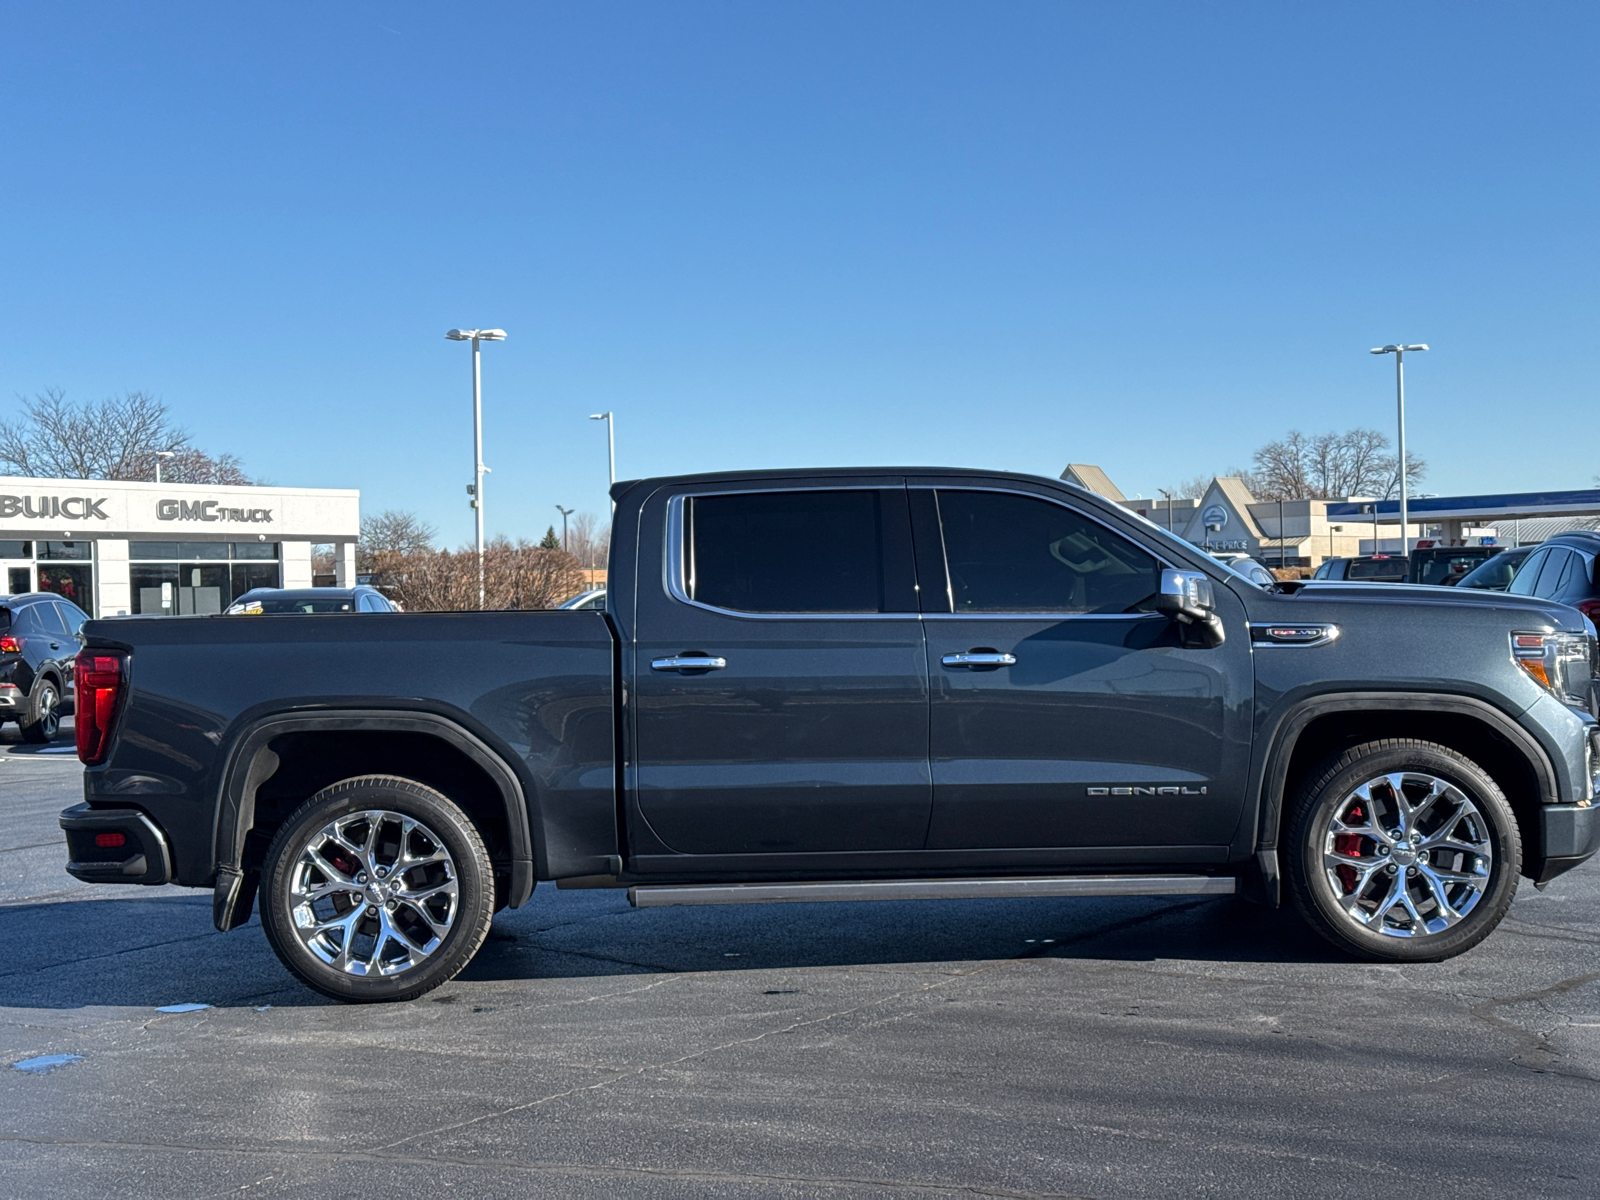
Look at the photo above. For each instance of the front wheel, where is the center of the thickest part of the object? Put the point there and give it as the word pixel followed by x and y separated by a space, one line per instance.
pixel 377 888
pixel 1403 850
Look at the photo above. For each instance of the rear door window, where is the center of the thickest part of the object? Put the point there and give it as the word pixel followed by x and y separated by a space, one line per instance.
pixel 1528 573
pixel 1011 553
pixel 1558 562
pixel 72 615
pixel 1570 574
pixel 49 618
pixel 797 552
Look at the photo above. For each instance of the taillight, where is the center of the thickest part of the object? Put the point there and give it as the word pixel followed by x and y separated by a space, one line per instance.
pixel 1589 608
pixel 99 681
pixel 10 645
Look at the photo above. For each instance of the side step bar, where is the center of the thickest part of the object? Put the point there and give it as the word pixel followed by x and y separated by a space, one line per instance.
pixel 654 896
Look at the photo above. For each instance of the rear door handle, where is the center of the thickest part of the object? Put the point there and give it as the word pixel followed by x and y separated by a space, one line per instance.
pixel 979 659
pixel 689 662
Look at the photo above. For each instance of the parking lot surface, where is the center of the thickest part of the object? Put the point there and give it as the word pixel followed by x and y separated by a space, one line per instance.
pixel 1118 1047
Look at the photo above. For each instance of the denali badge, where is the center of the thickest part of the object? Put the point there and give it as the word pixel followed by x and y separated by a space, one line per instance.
pixel 1168 790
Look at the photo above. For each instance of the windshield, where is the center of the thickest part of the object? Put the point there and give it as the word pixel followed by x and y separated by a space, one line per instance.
pixel 289 604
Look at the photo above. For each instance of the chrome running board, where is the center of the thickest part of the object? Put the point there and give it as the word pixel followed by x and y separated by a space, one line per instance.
pixel 657 895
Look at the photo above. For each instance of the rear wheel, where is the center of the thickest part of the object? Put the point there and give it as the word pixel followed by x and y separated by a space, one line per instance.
pixel 377 888
pixel 1403 850
pixel 42 721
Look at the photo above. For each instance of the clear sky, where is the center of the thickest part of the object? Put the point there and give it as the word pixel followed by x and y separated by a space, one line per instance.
pixel 1149 236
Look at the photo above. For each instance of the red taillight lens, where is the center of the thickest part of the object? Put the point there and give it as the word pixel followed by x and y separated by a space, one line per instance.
pixel 10 645
pixel 110 841
pixel 99 680
pixel 1589 608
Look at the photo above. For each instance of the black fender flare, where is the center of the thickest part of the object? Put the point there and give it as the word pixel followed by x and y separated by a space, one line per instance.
pixel 1270 769
pixel 252 762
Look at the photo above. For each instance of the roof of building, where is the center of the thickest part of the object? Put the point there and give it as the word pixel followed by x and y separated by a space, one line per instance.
pixel 1091 478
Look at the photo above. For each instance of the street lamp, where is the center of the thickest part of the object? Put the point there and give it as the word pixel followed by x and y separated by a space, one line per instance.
pixel 611 446
pixel 160 454
pixel 565 513
pixel 1399 353
pixel 475 489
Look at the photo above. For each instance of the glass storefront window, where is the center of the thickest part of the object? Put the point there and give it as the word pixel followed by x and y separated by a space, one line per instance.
pixel 16 549
pixel 255 549
pixel 65 550
pixel 175 588
pixel 75 583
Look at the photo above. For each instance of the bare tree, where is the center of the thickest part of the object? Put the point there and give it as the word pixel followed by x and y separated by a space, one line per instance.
pixel 589 540
pixel 517 575
pixel 1330 466
pixel 118 438
pixel 391 534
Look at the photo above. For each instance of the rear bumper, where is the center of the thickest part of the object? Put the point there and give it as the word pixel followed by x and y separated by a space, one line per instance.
pixel 1569 836
pixel 143 855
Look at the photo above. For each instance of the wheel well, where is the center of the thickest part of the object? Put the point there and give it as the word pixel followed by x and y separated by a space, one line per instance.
pixel 1478 740
pixel 309 761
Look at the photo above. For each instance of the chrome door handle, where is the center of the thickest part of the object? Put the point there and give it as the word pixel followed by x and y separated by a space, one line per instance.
pixel 979 660
pixel 688 662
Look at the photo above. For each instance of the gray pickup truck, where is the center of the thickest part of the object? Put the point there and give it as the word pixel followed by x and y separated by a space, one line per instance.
pixel 847 685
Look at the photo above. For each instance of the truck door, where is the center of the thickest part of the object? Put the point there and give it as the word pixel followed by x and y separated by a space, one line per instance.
pixel 1062 718
pixel 780 701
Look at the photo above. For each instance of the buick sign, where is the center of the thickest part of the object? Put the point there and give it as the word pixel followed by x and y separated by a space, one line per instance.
pixel 45 508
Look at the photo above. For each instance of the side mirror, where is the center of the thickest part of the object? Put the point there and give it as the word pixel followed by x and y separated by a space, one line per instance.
pixel 1186 597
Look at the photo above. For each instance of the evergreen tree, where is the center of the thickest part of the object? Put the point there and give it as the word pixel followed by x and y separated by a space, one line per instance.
pixel 550 541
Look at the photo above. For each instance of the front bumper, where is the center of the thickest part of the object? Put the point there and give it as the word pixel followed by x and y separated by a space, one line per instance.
pixel 1569 836
pixel 96 856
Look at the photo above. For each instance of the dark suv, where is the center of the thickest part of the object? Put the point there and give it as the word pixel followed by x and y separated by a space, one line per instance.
pixel 1368 568
pixel 1564 569
pixel 38 642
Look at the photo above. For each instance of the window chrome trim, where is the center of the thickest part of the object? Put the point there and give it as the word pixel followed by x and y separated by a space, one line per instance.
pixel 676 564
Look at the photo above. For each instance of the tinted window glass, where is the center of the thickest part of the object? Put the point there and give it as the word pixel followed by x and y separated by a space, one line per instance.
pixel 1528 573
pixel 1569 575
pixel 255 549
pixel 64 550
pixel 1376 568
pixel 16 549
pixel 1545 586
pixel 786 552
pixel 47 617
pixel 72 615
pixel 1011 553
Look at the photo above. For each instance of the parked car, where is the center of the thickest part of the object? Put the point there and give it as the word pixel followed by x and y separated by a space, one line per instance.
pixel 1444 566
pixel 271 601
pixel 594 598
pixel 848 685
pixel 1566 569
pixel 1366 568
pixel 38 642
pixel 1494 574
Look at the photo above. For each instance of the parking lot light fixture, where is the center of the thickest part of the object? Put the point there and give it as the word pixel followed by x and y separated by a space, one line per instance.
pixel 475 336
pixel 1400 353
pixel 611 445
pixel 565 513
pixel 160 454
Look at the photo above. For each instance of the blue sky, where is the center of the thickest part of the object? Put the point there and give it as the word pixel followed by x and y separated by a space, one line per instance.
pixel 1149 236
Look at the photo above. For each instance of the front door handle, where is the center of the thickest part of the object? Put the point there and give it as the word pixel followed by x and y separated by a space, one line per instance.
pixel 979 658
pixel 689 662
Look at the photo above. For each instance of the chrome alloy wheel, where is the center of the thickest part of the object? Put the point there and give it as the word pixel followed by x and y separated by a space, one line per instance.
pixel 49 712
pixel 1407 854
pixel 373 893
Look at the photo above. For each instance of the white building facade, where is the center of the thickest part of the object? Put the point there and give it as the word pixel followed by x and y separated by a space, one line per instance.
pixel 117 548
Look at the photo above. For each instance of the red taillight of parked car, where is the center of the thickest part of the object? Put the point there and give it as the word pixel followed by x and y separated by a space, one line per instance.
pixel 99 677
pixel 10 645
pixel 1589 608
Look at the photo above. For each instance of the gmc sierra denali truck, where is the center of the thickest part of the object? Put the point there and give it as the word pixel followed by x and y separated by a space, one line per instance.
pixel 847 684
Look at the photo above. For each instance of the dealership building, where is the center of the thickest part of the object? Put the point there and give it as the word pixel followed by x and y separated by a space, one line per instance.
pixel 117 548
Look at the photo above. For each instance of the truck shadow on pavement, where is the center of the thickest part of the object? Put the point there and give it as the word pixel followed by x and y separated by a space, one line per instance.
pixel 149 951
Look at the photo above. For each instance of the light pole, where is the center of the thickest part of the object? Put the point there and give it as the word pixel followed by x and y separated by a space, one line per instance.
pixel 160 454
pixel 1168 496
pixel 1399 353
pixel 611 447
pixel 476 489
pixel 565 513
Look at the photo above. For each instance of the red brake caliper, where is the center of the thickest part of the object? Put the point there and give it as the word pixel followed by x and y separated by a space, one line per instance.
pixel 1348 843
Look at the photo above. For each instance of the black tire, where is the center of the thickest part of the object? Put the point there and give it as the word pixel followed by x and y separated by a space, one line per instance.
pixel 377 917
pixel 1336 873
pixel 42 721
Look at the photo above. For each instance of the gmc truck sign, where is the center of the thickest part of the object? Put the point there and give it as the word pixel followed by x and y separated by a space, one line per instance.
pixel 209 510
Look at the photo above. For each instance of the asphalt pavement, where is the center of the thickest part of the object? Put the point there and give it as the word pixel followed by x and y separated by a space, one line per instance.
pixel 1114 1047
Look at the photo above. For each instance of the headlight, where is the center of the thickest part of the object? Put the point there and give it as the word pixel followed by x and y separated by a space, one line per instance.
pixel 1591 762
pixel 1561 663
